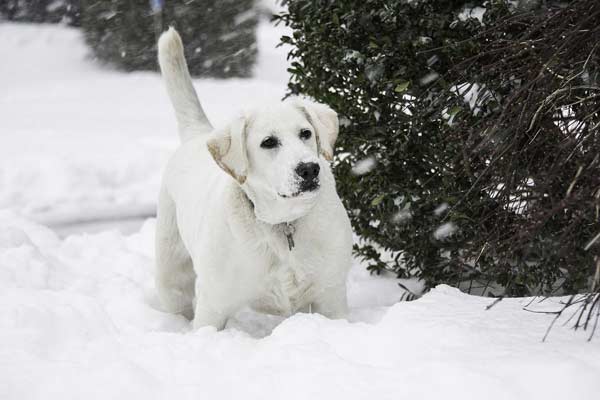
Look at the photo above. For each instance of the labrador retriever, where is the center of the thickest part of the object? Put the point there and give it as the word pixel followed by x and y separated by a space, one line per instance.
pixel 248 214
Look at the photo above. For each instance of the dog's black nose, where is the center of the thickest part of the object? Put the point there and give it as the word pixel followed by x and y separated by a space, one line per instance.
pixel 308 171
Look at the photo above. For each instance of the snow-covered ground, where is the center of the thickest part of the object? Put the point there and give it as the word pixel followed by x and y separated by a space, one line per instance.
pixel 79 316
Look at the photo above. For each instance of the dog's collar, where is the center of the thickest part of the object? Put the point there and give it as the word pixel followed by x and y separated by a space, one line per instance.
pixel 288 228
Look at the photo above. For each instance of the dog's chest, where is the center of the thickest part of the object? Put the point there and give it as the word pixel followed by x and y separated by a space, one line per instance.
pixel 288 286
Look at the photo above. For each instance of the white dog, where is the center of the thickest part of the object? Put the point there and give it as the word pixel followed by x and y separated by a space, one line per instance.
pixel 270 232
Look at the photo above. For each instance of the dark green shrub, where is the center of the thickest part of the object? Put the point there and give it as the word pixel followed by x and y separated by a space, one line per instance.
pixel 53 11
pixel 484 137
pixel 219 35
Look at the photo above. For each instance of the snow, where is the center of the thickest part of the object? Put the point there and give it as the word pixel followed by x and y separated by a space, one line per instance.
pixel 474 12
pixel 364 166
pixel 439 210
pixel 445 230
pixel 402 216
pixel 79 317
pixel 430 77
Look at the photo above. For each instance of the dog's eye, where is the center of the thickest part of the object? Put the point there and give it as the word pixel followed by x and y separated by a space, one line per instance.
pixel 269 143
pixel 305 134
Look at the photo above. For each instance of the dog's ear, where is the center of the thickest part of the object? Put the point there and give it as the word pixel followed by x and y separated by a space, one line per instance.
pixel 325 122
pixel 228 148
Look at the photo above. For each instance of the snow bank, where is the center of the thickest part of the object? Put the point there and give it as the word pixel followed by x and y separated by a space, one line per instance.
pixel 79 319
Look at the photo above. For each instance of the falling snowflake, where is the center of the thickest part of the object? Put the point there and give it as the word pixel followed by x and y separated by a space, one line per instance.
pixel 440 209
pixel 364 166
pixel 444 230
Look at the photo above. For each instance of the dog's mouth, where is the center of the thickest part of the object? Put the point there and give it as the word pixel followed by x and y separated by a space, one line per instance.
pixel 305 188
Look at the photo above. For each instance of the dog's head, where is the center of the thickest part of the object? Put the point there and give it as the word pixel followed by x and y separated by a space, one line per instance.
pixel 274 152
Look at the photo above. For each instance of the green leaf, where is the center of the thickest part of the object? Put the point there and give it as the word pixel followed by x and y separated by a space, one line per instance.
pixel 377 200
pixel 454 110
pixel 402 87
pixel 336 20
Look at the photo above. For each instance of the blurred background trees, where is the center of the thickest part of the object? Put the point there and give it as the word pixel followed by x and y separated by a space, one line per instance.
pixel 219 35
pixel 469 151
pixel 53 11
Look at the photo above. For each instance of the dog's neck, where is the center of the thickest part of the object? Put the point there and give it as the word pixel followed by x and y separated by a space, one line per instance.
pixel 288 228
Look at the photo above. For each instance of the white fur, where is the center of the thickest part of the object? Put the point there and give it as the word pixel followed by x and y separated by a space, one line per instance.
pixel 220 243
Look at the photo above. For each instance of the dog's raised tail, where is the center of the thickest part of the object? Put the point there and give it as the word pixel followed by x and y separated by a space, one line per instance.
pixel 191 119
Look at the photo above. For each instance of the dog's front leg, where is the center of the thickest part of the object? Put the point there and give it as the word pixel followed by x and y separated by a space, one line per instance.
pixel 211 307
pixel 205 314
